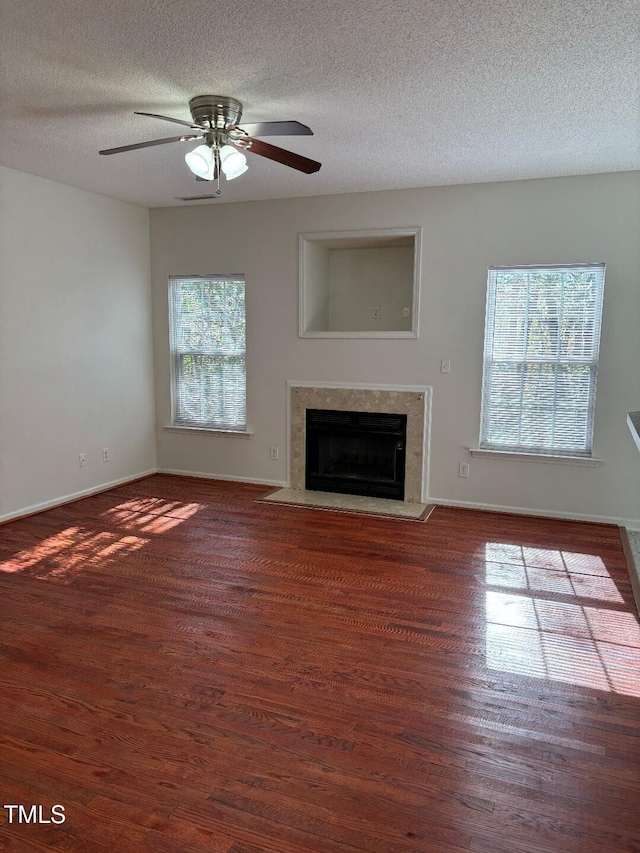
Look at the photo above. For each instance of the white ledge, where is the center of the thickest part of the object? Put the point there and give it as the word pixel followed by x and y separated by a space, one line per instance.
pixel 368 334
pixel 238 433
pixel 633 421
pixel 588 461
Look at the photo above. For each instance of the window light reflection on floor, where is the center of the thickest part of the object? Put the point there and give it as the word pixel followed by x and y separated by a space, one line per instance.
pixel 591 645
pixel 66 553
pixel 151 515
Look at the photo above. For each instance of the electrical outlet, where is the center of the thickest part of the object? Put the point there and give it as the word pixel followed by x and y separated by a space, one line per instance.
pixel 377 310
pixel 82 460
pixel 105 454
pixel 406 311
pixel 274 452
pixel 445 366
pixel 463 469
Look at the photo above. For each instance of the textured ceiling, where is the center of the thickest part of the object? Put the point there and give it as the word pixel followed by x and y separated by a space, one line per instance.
pixel 399 93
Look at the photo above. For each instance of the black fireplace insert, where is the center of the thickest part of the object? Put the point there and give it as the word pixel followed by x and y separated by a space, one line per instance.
pixel 356 453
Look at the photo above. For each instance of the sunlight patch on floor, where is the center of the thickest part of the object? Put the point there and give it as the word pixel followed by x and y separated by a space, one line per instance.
pixel 151 515
pixel 65 554
pixel 68 552
pixel 593 646
pixel 546 570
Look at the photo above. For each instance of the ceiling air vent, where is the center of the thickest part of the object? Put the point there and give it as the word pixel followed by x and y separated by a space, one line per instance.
pixel 195 197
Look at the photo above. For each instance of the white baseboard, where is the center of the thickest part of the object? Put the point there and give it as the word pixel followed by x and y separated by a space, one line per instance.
pixel 259 481
pixel 65 499
pixel 629 523
pixel 632 524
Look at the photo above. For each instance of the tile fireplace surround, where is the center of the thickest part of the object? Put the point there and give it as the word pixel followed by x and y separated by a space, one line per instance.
pixel 414 402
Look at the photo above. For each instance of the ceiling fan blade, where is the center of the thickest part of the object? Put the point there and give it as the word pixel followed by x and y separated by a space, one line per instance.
pixel 287 158
pixel 167 118
pixel 276 128
pixel 149 144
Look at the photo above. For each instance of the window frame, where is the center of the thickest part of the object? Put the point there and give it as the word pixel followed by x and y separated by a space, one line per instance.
pixel 554 452
pixel 175 352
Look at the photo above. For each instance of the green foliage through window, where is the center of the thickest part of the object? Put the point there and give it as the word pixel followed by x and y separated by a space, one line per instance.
pixel 208 336
pixel 541 355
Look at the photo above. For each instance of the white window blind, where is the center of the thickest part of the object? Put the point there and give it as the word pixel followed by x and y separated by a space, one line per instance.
pixel 207 330
pixel 542 335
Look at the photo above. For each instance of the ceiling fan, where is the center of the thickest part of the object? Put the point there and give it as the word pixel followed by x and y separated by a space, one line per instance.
pixel 216 120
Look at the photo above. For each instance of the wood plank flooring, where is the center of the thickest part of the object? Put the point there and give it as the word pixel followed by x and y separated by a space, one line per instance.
pixel 184 669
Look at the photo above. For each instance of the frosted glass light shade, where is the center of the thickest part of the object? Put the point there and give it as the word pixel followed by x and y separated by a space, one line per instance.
pixel 233 162
pixel 201 162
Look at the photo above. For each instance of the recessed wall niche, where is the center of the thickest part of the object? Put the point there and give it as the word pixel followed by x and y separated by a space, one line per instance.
pixel 360 283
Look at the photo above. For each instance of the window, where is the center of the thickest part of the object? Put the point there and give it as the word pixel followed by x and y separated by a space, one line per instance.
pixel 207 329
pixel 542 334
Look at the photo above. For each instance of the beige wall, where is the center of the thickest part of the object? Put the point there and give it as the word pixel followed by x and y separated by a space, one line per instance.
pixel 465 229
pixel 316 302
pixel 362 278
pixel 76 364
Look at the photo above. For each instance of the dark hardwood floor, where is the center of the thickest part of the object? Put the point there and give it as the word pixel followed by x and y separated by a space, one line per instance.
pixel 184 669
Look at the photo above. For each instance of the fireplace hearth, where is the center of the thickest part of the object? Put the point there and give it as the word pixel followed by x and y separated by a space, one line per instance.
pixel 356 453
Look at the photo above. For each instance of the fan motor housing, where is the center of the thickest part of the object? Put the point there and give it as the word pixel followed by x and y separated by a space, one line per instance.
pixel 217 111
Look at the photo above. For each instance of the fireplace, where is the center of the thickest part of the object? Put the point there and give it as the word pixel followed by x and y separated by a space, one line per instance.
pixel 356 453
pixel 413 402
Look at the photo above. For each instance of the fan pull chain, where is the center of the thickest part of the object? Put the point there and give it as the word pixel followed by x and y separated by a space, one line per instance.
pixel 218 190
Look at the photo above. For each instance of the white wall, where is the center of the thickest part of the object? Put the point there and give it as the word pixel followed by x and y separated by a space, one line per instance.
pixel 466 229
pixel 360 279
pixel 316 303
pixel 76 363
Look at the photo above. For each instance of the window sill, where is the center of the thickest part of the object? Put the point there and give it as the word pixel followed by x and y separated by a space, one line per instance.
pixel 587 461
pixel 238 433
pixel 371 333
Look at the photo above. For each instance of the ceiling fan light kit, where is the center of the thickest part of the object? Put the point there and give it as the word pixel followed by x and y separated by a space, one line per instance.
pixel 201 162
pixel 215 118
pixel 232 162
